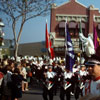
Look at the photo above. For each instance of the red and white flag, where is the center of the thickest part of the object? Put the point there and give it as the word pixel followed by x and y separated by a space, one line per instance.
pixel 49 43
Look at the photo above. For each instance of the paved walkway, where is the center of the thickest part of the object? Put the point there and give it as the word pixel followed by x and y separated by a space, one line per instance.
pixel 35 93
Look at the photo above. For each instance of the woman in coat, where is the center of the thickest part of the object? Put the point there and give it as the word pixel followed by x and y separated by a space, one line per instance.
pixel 16 84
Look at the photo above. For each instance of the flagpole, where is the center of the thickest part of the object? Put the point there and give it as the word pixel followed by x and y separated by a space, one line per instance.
pixel 47 41
pixel 65 39
pixel 80 42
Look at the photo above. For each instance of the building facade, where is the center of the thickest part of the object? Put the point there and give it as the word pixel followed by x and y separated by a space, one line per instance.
pixel 32 49
pixel 73 12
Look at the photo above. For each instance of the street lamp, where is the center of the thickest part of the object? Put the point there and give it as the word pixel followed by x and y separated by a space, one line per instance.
pixel 1 37
pixel 1 33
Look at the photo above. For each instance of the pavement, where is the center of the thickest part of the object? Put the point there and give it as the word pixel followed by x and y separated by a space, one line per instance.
pixel 35 93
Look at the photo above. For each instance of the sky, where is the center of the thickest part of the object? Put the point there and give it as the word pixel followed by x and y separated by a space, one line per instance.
pixel 34 29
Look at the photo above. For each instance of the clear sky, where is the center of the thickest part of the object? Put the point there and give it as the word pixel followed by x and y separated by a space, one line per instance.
pixel 34 29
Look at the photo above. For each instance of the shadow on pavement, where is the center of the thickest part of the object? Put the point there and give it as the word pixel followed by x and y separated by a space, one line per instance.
pixel 34 93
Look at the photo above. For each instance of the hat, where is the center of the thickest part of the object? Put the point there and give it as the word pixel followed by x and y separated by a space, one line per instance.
pixel 82 65
pixel 50 67
pixel 94 59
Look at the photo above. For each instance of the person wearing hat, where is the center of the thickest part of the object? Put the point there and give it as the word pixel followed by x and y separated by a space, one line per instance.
pixel 48 88
pixel 66 85
pixel 80 81
pixel 92 86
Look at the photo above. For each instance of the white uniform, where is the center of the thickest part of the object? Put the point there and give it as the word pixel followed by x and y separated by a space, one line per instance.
pixel 50 74
pixel 83 73
pixel 63 68
pixel 75 70
pixel 67 75
pixel 95 87
pixel 86 89
pixel 92 87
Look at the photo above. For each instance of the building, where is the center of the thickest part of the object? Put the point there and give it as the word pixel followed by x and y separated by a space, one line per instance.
pixel 32 49
pixel 74 12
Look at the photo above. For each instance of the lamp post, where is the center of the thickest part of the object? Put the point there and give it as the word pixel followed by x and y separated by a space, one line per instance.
pixel 1 33
pixel 1 36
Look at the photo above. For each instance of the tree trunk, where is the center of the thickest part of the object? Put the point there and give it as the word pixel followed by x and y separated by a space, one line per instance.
pixel 16 51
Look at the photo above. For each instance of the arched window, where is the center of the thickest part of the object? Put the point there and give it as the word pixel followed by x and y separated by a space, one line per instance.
pixel 62 29
pixel 82 26
pixel 72 27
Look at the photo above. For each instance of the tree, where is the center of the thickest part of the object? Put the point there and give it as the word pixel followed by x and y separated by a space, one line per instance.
pixel 22 11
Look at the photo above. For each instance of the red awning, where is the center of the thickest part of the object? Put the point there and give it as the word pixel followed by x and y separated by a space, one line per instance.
pixel 82 25
pixel 62 25
pixel 72 25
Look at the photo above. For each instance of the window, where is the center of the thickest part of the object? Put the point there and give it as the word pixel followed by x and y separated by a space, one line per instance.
pixel 62 28
pixel 72 27
pixel 72 32
pixel 98 31
pixel 62 32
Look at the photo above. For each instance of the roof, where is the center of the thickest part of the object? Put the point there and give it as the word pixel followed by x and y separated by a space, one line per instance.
pixel 70 2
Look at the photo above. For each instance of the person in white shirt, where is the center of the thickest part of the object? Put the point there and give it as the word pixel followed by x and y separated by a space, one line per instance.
pixel 66 85
pixel 83 71
pixel 92 87
pixel 48 88
pixel 24 73
pixel 76 67
pixel 79 85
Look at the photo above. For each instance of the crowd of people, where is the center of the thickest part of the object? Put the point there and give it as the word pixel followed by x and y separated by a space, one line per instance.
pixel 14 78
pixel 83 82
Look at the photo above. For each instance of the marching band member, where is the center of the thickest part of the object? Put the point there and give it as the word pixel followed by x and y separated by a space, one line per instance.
pixel 76 67
pixel 81 76
pixel 49 83
pixel 66 85
pixel 83 71
pixel 92 87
